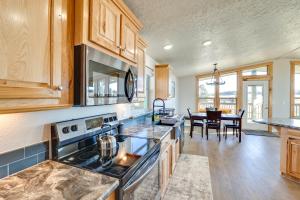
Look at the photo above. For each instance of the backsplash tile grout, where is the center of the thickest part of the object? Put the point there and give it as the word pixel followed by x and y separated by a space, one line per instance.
pixel 23 158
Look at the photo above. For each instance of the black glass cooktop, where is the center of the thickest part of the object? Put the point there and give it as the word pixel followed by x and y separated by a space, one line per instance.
pixel 130 152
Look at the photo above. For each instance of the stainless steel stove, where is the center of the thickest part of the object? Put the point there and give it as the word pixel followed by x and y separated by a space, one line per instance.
pixel 134 161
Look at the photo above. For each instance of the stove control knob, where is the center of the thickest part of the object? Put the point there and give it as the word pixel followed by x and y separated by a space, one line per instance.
pixel 74 128
pixel 66 130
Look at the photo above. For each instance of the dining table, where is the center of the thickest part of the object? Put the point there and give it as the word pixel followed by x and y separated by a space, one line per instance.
pixel 224 117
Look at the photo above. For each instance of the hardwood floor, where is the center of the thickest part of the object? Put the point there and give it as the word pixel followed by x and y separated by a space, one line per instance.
pixel 245 171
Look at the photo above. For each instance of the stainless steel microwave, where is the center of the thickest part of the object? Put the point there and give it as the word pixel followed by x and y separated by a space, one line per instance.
pixel 100 79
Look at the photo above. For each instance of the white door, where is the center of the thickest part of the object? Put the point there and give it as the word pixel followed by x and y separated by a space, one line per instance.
pixel 255 103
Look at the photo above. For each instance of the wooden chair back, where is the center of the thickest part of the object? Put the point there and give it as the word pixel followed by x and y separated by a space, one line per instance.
pixel 189 111
pixel 214 116
pixel 241 113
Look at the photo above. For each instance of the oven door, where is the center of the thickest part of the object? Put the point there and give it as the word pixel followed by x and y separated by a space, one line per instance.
pixel 144 184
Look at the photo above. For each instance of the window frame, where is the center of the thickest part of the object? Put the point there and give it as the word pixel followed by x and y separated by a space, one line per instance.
pixel 240 79
pixel 292 88
pixel 198 90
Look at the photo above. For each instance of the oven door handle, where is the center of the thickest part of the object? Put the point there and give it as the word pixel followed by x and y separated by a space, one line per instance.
pixel 136 182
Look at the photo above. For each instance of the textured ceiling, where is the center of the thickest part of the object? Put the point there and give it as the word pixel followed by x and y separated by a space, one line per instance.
pixel 242 31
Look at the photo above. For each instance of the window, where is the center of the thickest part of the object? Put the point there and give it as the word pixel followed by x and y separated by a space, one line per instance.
pixel 228 93
pixel 295 93
pixel 206 95
pixel 261 71
pixel 228 98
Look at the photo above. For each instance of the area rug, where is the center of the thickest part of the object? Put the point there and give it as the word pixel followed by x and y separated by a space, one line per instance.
pixel 191 179
pixel 260 133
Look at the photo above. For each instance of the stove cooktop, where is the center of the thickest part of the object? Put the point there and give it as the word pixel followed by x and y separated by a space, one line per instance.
pixel 130 152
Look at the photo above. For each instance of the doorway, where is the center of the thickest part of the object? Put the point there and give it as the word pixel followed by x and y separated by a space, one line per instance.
pixel 255 103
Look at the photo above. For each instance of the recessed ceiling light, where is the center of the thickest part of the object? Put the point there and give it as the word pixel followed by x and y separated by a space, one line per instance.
pixel 207 43
pixel 168 47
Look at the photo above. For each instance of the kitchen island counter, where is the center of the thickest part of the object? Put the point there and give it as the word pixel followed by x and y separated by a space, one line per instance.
pixel 289 131
pixel 281 122
pixel 53 180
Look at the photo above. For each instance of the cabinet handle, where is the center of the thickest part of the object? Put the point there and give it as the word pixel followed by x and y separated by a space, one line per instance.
pixel 59 88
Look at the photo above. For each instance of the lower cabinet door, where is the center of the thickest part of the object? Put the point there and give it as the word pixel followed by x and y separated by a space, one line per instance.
pixel 293 161
pixel 173 152
pixel 164 171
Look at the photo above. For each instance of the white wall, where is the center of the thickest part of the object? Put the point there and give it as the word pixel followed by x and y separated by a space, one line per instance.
pixel 281 88
pixel 187 94
pixel 23 129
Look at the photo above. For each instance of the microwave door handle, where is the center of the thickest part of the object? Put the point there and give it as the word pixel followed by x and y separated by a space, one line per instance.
pixel 140 179
pixel 125 85
pixel 129 94
pixel 133 86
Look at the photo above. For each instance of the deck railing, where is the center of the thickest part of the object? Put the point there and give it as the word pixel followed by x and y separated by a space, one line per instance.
pixel 254 111
pixel 297 110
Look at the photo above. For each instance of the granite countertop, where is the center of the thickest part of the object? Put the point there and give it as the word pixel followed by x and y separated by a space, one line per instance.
pixel 51 180
pixel 281 122
pixel 148 131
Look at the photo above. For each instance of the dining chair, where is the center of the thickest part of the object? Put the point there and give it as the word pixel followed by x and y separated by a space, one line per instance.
pixel 235 125
pixel 213 122
pixel 195 123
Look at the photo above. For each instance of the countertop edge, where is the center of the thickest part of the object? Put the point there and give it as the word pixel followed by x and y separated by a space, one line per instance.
pixel 166 133
pixel 111 190
pixel 276 124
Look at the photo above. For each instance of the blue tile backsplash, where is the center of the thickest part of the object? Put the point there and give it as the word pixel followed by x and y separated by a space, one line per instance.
pixel 19 159
pixel 3 171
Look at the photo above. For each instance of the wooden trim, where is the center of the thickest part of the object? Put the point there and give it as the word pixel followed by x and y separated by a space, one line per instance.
pixel 292 89
pixel 270 100
pixel 236 69
pixel 256 78
pixel 141 43
pixel 239 94
pixel 197 95
pixel 240 79
pixel 129 14
pixel 292 86
pixel 29 93
pixel 33 108
pixel 217 94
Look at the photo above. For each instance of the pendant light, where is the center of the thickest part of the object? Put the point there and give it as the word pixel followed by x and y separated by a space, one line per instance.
pixel 214 77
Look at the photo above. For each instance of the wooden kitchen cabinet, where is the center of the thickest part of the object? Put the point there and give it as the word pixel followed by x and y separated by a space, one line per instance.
pixel 105 22
pixel 164 170
pixel 141 65
pixel 112 196
pixel 163 82
pixel 32 39
pixel 293 158
pixel 108 26
pixel 173 156
pixel 128 39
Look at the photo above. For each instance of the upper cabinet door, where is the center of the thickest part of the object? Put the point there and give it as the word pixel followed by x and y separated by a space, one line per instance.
pixel 105 18
pixel 30 53
pixel 141 69
pixel 129 39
